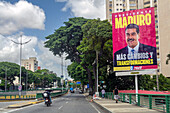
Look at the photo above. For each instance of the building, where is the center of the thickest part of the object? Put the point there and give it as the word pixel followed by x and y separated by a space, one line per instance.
pixel 164 40
pixel 161 24
pixel 114 6
pixel 30 64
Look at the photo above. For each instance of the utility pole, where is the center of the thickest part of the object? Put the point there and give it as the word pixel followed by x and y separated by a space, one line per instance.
pixel 157 80
pixel 20 43
pixel 26 81
pixel 97 71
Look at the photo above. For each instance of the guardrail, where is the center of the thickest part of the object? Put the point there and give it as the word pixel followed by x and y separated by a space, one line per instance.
pixel 160 102
pixel 34 89
pixel 31 96
pixel 39 95
pixel 14 97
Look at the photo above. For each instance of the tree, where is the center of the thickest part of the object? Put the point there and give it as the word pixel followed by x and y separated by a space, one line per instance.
pixel 42 78
pixel 146 82
pixel 97 34
pixel 66 39
pixel 77 72
pixel 14 70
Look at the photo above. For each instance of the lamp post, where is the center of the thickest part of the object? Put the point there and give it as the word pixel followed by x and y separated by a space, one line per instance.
pixel 97 71
pixel 62 72
pixel 20 43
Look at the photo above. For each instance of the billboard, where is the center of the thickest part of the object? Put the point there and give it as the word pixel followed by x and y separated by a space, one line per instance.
pixel 134 40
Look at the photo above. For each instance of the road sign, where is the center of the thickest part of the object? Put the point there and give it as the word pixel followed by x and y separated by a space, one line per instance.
pixel 87 85
pixel 78 82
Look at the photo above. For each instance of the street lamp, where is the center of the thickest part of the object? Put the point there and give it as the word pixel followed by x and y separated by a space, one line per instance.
pixel 20 43
pixel 97 71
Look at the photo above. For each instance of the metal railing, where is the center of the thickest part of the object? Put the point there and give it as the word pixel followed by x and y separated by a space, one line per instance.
pixel 39 95
pixel 14 97
pixel 32 96
pixel 160 102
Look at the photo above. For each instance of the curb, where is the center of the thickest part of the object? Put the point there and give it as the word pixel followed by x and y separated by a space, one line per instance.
pixel 24 104
pixel 19 105
pixel 104 108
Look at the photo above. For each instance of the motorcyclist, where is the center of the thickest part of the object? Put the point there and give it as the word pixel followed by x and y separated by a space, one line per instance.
pixel 48 92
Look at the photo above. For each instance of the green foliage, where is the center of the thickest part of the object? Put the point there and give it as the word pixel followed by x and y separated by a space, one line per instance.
pixel 77 72
pixel 97 37
pixel 148 83
pixel 12 71
pixel 41 78
pixel 67 38
pixel 97 33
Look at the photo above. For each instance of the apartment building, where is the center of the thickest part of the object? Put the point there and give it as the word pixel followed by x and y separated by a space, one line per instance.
pixel 114 6
pixel 30 64
pixel 163 34
pixel 161 24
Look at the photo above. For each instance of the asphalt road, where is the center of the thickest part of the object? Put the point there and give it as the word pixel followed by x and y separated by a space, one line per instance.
pixel 69 103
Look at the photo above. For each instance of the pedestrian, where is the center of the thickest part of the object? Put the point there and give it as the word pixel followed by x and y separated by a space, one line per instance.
pixel 103 93
pixel 116 94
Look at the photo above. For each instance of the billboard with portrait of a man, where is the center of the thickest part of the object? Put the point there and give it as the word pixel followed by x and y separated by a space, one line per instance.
pixel 134 40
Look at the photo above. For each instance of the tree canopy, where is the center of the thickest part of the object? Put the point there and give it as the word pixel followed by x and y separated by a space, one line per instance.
pixel 40 78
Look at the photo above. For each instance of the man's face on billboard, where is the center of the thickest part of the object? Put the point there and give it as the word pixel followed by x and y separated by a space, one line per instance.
pixel 131 37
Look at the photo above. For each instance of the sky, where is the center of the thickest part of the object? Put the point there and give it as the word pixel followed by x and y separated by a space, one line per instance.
pixel 35 20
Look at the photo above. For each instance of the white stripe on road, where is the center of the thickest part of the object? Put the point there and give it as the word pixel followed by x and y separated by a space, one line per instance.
pixel 66 102
pixel 60 107
pixel 95 108
pixel 22 108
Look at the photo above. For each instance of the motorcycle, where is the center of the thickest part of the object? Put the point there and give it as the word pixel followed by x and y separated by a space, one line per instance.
pixel 47 98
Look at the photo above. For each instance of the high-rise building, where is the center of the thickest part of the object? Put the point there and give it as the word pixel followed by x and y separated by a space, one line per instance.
pixel 113 6
pixel 161 24
pixel 30 64
pixel 164 38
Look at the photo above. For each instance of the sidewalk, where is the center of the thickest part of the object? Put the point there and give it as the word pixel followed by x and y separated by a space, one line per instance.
pixel 120 107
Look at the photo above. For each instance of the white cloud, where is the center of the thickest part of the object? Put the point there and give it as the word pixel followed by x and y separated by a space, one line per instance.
pixel 86 8
pixel 9 51
pixel 14 17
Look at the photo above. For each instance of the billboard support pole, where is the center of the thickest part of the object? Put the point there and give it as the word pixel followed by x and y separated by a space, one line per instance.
pixel 157 80
pixel 136 86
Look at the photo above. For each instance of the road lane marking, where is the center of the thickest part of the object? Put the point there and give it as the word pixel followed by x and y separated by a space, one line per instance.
pixel 66 102
pixel 60 107
pixel 23 108
pixel 95 108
